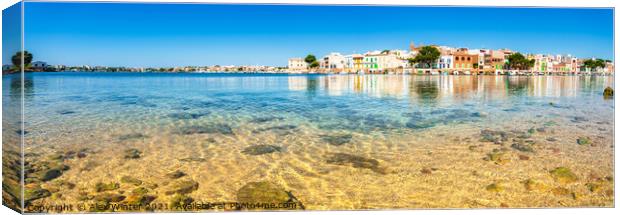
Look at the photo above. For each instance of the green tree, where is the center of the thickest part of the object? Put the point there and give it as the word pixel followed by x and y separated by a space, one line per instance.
pixel 17 59
pixel 311 61
pixel 519 62
pixel 593 64
pixel 426 56
pixel 310 58
pixel 314 64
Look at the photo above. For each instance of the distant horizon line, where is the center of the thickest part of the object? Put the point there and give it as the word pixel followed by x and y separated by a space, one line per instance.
pixel 284 64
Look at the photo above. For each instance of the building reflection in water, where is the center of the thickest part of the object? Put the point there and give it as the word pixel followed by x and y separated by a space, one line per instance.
pixel 448 89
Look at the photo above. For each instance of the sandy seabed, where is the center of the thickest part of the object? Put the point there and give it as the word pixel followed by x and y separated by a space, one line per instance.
pixel 447 166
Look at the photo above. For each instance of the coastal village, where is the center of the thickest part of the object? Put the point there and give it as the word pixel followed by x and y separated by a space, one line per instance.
pixel 420 60
pixel 455 61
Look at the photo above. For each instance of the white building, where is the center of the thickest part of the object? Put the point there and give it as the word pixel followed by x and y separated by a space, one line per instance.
pixel 402 54
pixel 374 61
pixel 445 62
pixel 297 64
pixel 333 60
pixel 39 64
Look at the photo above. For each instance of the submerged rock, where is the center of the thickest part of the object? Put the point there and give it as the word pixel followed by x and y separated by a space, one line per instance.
pixel 139 199
pixel 550 123
pixel 337 140
pixel 131 136
pixel 109 197
pixel 207 129
pixel 175 174
pixel 84 196
pixel 474 148
pixel 421 124
pixel 192 159
pixel 182 187
pixel 261 149
pixel 64 184
pixel 522 135
pixel 534 185
pixel 263 192
pixel 132 153
pixel 45 170
pixel 579 119
pixel 531 131
pixel 552 139
pixel 498 157
pixel 19 132
pixel 426 171
pixel 495 187
pixel 100 187
pixel 188 115
pixel 560 191
pixel 266 119
pixel 487 135
pixel 522 147
pixel 608 93
pixel 280 129
pixel 65 112
pixel 593 187
pixel 82 153
pixel 48 175
pixel 131 180
pixel 481 114
pixel 140 191
pixel 51 174
pixel 35 193
pixel 563 175
pixel 356 162
pixel 179 201
pixel 583 141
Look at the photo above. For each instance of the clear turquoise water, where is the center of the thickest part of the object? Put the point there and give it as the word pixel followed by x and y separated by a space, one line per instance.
pixel 346 102
pixel 407 123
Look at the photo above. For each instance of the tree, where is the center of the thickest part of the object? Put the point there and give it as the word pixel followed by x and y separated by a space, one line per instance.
pixel 310 59
pixel 426 56
pixel 519 62
pixel 17 59
pixel 314 64
pixel 385 51
pixel 593 64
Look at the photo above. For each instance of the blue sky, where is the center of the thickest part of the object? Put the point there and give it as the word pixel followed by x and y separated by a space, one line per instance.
pixel 202 34
pixel 11 32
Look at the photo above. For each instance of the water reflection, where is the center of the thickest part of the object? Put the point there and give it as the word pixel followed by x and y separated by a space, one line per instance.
pixel 431 89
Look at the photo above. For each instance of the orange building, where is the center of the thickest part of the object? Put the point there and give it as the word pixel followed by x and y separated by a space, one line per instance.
pixel 465 61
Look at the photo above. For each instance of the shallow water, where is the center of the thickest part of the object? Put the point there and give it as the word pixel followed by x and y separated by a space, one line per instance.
pixel 334 141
